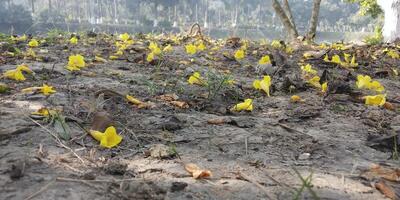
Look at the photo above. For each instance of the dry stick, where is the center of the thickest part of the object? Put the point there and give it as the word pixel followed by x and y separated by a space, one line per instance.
pixel 247 178
pixel 57 140
pixel 94 181
pixel 45 187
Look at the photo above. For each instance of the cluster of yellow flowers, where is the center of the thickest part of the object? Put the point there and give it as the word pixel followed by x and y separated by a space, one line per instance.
pixel 124 42
pixel 312 78
pixel 346 63
pixel 192 49
pixel 365 82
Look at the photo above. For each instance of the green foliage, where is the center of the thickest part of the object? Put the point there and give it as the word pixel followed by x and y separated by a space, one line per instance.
pixel 368 7
pixel 215 83
pixel 376 38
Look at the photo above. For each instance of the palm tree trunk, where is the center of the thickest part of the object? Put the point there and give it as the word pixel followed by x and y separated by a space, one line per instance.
pixel 314 20
pixel 285 20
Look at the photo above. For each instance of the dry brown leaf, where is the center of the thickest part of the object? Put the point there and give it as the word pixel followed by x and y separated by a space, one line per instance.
pixel 217 121
pixel 389 106
pixel 101 121
pixel 385 189
pixel 180 104
pixel 168 97
pixel 386 173
pixel 197 172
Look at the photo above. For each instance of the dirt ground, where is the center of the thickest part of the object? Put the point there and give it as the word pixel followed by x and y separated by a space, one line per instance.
pixel 334 137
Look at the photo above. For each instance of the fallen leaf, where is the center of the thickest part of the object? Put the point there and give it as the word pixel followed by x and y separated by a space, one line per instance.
pixel 385 190
pixel 180 104
pixel 217 121
pixel 197 172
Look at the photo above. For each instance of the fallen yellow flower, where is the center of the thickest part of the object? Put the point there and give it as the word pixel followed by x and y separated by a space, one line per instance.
pixel 201 46
pixel 16 74
pixel 191 49
pixel 366 82
pixel 276 44
pixel 324 87
pixel 336 59
pixel 308 69
pixel 196 79
pixel 150 57
pixel 47 90
pixel 33 43
pixel 246 105
pixel 239 54
pixel 168 48
pixel 263 84
pixel 73 40
pixel 315 81
pixel 377 100
pixel 75 62
pixel 154 48
pixel 264 60
pixel 124 37
pixel 42 112
pixel 108 139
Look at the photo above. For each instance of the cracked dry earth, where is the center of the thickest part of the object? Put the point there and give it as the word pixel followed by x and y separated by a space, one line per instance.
pixel 252 155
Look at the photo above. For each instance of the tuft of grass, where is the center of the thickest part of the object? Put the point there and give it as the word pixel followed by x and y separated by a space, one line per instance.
pixel 306 184
pixel 215 83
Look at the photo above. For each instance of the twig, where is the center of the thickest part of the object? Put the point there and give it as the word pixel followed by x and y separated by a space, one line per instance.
pixel 57 139
pixel 45 187
pixel 247 178
pixel 94 181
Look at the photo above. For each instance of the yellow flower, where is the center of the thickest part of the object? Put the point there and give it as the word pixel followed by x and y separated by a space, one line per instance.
pixel 239 54
pixel 168 48
pixel 336 59
pixel 201 46
pixel 190 49
pixel 246 105
pixel 16 74
pixel 264 60
pixel 263 84
pixel 73 40
pixel 150 57
pixel 75 62
pixel 324 87
pixel 33 43
pixel 154 48
pixel 326 58
pixel 42 112
pixel 276 44
pixel 108 139
pixel 124 37
pixel 196 79
pixel 393 54
pixel 308 69
pixel 353 62
pixel 376 86
pixel 315 81
pixel 363 81
pixel 47 90
pixel 377 100
pixel 366 82
pixel 289 50
pixel 133 100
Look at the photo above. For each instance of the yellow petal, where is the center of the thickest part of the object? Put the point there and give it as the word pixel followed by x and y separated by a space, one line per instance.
pixel 363 81
pixel 375 85
pixel 315 81
pixel 326 58
pixel 377 100
pixel 196 79
pixel 150 57
pixel 73 40
pixel 324 87
pixel 246 105
pixel 133 100
pixel 33 43
pixel 336 59
pixel 24 68
pixel 256 84
pixel 295 99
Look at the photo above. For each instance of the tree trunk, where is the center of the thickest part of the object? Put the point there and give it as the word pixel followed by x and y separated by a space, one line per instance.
pixel 314 20
pixel 50 6
pixel 289 14
pixel 391 27
pixel 285 20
